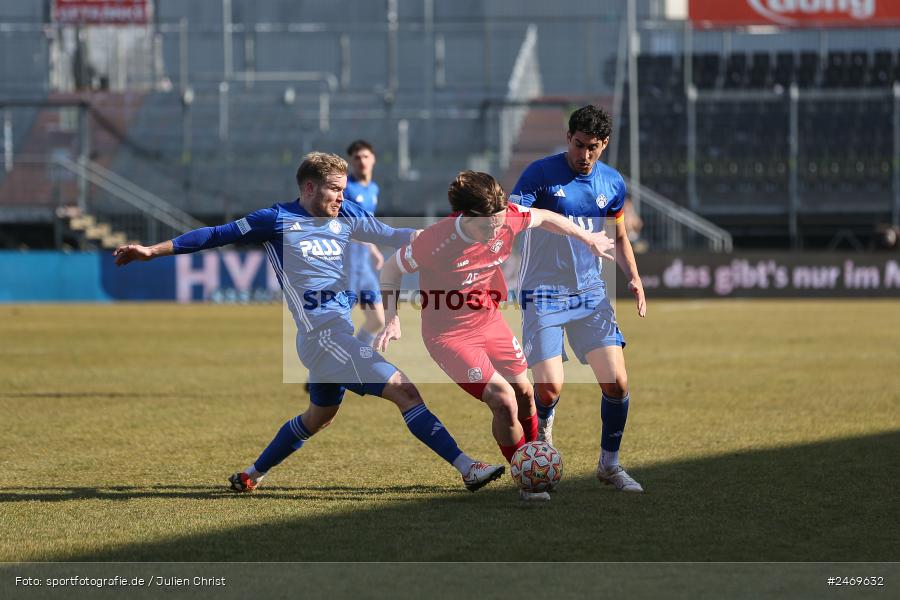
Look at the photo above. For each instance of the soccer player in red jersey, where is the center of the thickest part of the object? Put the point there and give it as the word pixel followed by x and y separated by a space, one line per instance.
pixel 461 286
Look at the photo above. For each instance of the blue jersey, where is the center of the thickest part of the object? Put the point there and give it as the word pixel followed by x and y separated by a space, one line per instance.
pixel 360 272
pixel 306 252
pixel 364 196
pixel 561 262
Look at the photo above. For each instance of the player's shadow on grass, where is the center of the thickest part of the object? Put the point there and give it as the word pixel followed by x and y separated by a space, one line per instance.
pixel 210 492
pixel 85 394
pixel 829 501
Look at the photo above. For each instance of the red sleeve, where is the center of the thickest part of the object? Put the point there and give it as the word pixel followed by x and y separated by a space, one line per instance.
pixel 518 218
pixel 416 254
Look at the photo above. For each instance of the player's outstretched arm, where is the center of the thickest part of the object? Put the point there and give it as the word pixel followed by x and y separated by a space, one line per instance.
pixel 131 252
pixel 258 226
pixel 366 228
pixel 391 276
pixel 598 242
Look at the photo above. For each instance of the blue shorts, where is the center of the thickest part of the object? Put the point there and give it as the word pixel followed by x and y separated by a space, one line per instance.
pixel 587 319
pixel 337 362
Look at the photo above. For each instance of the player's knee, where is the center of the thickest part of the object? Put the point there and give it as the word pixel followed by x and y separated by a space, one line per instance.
pixel 548 392
pixel 404 394
pixel 502 402
pixel 617 388
pixel 317 426
pixel 524 394
pixel 314 421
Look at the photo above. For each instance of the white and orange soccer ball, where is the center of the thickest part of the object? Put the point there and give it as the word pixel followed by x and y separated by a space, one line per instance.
pixel 536 467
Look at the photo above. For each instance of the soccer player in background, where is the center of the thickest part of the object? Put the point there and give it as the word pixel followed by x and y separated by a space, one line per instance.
pixel 459 262
pixel 557 271
pixel 364 260
pixel 305 240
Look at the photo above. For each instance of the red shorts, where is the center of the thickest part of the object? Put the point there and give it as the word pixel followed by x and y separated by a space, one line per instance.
pixel 471 357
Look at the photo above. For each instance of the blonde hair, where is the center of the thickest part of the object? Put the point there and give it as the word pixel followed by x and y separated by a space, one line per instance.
pixel 318 166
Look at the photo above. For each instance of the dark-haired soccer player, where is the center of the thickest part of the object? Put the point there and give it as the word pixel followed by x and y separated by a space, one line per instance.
pixel 305 241
pixel 577 185
pixel 364 260
pixel 461 282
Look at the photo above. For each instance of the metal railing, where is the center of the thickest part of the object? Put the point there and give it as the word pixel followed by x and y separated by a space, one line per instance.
pixel 146 215
pixel 668 226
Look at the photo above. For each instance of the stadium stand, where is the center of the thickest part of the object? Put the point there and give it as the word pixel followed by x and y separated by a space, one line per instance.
pixel 742 177
pixel 220 155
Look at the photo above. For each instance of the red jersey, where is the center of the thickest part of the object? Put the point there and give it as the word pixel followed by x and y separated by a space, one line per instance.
pixel 460 280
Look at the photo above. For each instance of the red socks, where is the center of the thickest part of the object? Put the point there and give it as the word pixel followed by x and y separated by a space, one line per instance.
pixel 530 427
pixel 508 451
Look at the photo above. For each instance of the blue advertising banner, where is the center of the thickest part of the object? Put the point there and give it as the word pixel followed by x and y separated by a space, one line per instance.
pixel 49 276
pixel 225 276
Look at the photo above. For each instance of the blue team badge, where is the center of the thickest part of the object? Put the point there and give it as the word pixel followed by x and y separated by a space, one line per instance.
pixel 601 201
pixel 334 226
pixel 360 198
pixel 365 351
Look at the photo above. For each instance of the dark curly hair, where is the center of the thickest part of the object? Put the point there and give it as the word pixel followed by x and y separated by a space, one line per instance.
pixel 592 120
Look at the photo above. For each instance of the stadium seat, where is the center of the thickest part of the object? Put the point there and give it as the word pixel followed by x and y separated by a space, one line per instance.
pixel 882 69
pixel 836 69
pixel 807 71
pixel 759 71
pixel 706 70
pixel 858 69
pixel 784 69
pixel 736 70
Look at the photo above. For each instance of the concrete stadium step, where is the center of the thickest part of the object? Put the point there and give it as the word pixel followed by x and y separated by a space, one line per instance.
pixel 98 231
pixel 82 222
pixel 90 229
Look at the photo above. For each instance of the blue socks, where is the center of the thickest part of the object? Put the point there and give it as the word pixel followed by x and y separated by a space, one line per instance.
pixel 431 432
pixel 289 439
pixel 613 413
pixel 365 337
pixel 544 412
pixel 419 420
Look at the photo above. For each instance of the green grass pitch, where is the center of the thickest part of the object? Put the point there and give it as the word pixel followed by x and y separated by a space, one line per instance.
pixel 761 430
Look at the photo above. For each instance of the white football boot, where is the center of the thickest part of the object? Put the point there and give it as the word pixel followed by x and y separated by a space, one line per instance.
pixel 618 477
pixel 482 474
pixel 545 428
pixel 533 496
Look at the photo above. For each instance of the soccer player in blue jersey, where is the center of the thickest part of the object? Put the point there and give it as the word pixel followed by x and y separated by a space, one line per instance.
pixel 305 240
pixel 364 260
pixel 561 290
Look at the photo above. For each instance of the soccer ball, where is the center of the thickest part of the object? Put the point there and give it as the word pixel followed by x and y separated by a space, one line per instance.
pixel 536 467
